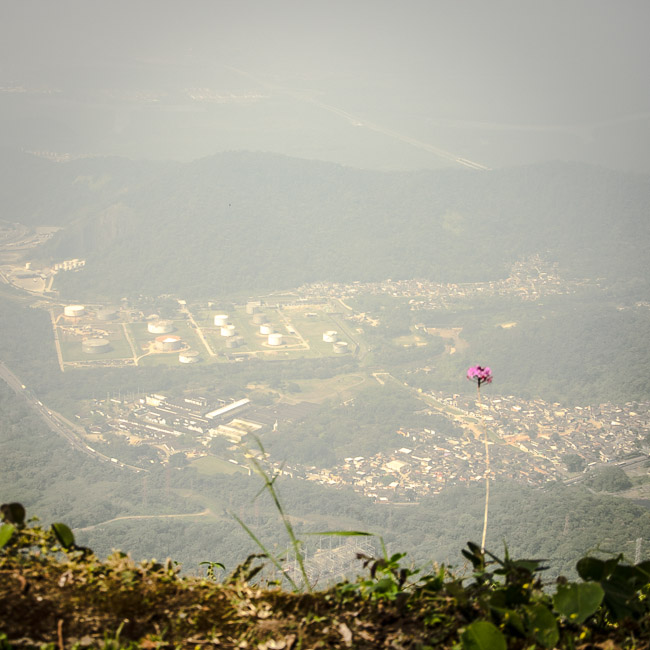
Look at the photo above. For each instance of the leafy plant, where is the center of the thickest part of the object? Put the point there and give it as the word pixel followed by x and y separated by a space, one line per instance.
pixel 624 586
pixel 578 601
pixel 211 566
pixel 295 543
pixel 483 635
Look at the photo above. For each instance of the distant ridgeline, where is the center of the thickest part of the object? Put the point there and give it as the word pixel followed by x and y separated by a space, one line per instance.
pixel 255 222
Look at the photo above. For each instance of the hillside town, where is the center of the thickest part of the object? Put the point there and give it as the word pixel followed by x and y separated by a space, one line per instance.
pixel 530 441
pixel 529 279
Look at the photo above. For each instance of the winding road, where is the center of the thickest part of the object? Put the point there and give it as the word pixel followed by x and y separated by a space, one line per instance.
pixel 203 513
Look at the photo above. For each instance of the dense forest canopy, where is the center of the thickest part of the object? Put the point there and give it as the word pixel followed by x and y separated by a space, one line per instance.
pixel 250 221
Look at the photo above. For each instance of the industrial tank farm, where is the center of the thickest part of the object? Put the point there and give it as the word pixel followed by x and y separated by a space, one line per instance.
pixel 282 328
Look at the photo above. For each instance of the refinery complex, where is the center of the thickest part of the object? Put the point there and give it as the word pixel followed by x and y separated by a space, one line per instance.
pixel 91 335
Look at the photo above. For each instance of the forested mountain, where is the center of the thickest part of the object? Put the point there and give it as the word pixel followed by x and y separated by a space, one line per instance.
pixel 40 192
pixel 250 221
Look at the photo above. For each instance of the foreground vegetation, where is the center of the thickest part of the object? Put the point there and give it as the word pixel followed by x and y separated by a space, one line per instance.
pixel 57 594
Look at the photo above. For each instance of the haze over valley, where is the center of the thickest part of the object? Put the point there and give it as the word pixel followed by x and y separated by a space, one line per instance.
pixel 248 237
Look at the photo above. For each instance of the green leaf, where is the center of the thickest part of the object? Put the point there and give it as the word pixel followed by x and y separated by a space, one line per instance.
pixel 514 620
pixel 578 602
pixel 542 625
pixel 483 635
pixel 591 568
pixel 64 535
pixel 6 531
pixel 213 564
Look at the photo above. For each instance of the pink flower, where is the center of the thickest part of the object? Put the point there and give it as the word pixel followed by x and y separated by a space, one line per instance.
pixel 480 374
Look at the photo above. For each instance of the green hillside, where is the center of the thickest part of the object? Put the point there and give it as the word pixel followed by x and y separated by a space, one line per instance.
pixel 246 222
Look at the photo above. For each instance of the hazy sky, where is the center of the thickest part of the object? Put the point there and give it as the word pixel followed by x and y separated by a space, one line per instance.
pixel 362 82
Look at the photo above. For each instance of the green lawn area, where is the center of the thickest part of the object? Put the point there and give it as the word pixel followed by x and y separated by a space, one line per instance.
pixel 120 348
pixel 211 465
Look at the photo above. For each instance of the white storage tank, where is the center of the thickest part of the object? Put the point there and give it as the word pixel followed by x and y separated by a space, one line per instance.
pixel 189 356
pixel 266 329
pixel 253 306
pixel 95 346
pixel 166 343
pixel 220 320
pixel 330 337
pixel 74 311
pixel 160 327
pixel 340 347
pixel 228 330
pixel 259 319
pixel 275 339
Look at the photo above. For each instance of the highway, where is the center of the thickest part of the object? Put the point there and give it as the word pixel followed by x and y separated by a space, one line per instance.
pixel 56 422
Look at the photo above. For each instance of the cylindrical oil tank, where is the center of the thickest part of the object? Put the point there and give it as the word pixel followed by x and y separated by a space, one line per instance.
pixel 228 330
pixel 253 306
pixel 330 337
pixel 189 356
pixel 266 329
pixel 275 339
pixel 340 347
pixel 160 327
pixel 106 314
pixel 168 343
pixel 95 346
pixel 74 311
pixel 259 319
pixel 220 320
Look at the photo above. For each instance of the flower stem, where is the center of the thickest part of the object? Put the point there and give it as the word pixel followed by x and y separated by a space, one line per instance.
pixel 487 468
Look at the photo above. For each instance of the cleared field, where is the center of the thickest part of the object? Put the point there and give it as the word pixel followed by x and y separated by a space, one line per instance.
pixel 211 465
pixel 318 390
pixel 409 340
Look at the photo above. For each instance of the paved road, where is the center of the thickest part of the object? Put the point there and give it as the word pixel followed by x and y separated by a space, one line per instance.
pixel 56 422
